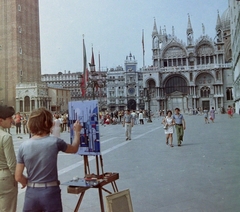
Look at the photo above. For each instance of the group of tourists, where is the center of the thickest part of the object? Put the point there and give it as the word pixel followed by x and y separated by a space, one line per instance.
pixel 116 117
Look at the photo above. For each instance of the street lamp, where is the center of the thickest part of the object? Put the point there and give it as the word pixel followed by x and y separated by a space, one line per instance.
pixel 148 99
pixel 211 100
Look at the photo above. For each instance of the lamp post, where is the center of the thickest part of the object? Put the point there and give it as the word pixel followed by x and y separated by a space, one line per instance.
pixel 148 99
pixel 211 101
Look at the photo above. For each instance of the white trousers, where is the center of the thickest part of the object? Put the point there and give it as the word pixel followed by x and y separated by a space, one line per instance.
pixel 128 130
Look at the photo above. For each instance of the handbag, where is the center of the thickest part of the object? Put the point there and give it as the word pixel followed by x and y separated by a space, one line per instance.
pixel 165 126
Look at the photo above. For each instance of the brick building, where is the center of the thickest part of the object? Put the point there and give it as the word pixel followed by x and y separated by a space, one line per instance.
pixel 19 46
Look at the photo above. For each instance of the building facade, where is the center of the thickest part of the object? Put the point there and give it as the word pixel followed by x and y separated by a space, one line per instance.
pixel 234 12
pixel 67 80
pixel 124 86
pixel 196 74
pixel 19 46
pixel 59 99
pixel 32 95
pixel 71 81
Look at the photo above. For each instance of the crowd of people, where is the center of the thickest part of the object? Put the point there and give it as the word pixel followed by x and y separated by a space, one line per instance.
pixel 19 121
pixel 116 117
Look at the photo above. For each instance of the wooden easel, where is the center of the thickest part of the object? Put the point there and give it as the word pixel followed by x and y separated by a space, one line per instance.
pixel 102 179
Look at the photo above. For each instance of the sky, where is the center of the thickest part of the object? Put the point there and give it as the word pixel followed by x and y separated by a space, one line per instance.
pixel 114 29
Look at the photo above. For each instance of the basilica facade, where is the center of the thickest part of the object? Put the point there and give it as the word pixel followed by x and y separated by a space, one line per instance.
pixel 195 74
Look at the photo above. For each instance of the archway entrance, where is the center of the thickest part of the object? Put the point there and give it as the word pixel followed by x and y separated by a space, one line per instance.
pixel 176 90
pixel 131 104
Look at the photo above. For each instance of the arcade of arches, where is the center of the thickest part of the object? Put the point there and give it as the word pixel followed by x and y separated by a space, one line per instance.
pixel 177 92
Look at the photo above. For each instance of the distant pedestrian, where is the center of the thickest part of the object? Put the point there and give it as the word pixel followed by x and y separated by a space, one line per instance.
pixel 24 122
pixel 180 125
pixel 128 124
pixel 232 111
pixel 168 123
pixel 212 114
pixel 8 185
pixel 140 116
pixel 229 111
pixel 205 112
pixel 56 129
pixel 64 122
pixel 134 116
pixel 18 122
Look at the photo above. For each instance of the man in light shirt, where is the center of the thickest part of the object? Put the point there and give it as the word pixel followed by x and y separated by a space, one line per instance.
pixel 128 124
pixel 8 185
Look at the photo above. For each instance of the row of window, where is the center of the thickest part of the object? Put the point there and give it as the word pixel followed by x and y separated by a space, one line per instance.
pixel 62 77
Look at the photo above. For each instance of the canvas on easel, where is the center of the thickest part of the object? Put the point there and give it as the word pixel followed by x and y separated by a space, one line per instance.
pixel 88 114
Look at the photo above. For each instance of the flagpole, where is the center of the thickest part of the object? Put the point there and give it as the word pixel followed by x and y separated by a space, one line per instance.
pixel 85 71
pixel 143 49
pixel 99 62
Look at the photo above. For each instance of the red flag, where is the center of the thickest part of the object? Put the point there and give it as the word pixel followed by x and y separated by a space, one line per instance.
pixel 85 71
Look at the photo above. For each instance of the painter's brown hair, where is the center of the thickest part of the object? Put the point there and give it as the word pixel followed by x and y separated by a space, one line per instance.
pixel 40 121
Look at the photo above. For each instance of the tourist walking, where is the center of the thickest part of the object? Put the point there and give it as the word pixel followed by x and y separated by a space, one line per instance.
pixel 39 156
pixel 56 128
pixel 229 111
pixel 18 122
pixel 134 116
pixel 128 124
pixel 140 116
pixel 8 185
pixel 168 123
pixel 64 121
pixel 180 125
pixel 205 112
pixel 24 122
pixel 212 114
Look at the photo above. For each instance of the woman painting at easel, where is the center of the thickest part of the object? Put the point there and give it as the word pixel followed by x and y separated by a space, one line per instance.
pixel 39 155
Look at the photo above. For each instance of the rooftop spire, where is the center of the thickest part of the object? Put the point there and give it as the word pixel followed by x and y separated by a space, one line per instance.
pixel 155 31
pixel 203 29
pixel 160 31
pixel 189 27
pixel 219 23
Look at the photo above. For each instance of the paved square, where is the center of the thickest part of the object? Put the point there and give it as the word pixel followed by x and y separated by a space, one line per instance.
pixel 202 175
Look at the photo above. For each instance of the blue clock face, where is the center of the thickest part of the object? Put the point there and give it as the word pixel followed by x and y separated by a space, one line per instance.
pixel 131 90
pixel 131 67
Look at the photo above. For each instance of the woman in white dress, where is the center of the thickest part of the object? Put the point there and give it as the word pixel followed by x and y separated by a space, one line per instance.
pixel 56 129
pixel 168 123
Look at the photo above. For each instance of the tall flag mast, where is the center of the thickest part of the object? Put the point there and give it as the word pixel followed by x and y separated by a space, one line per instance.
pixel 143 48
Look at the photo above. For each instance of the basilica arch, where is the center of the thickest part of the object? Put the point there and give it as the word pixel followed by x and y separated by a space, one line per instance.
pixel 174 55
pixel 204 53
pixel 204 90
pixel 176 90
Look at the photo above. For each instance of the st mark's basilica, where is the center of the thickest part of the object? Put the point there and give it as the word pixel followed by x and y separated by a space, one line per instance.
pixel 191 75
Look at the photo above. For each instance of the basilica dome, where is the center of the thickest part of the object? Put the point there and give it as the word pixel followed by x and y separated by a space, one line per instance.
pixel 225 19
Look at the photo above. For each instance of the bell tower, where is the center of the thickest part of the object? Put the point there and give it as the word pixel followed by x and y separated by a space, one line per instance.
pixel 19 46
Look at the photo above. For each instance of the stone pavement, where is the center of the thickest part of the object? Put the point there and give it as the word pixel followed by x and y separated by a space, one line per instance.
pixel 202 175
